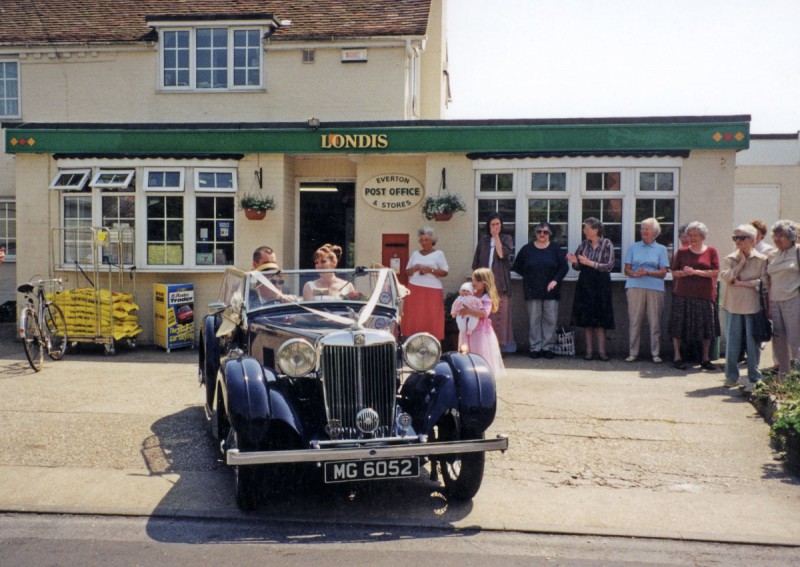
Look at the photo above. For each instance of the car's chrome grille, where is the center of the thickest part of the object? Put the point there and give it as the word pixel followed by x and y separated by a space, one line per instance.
pixel 358 377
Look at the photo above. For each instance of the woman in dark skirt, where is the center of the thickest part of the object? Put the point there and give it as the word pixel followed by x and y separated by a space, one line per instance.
pixel 592 307
pixel 694 314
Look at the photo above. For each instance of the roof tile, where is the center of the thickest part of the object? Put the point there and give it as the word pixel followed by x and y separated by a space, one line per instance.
pixel 98 21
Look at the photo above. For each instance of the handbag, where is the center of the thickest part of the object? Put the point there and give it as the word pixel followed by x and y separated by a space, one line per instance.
pixel 565 343
pixel 762 325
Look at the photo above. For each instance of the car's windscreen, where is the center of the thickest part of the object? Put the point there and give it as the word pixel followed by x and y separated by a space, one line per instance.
pixel 273 288
pixel 298 318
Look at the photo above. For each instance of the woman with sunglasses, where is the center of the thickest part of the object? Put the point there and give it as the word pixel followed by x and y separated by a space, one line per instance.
pixel 542 265
pixel 743 271
pixel 694 294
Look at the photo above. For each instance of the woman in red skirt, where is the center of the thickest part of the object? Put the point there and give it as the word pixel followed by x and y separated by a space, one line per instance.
pixel 423 309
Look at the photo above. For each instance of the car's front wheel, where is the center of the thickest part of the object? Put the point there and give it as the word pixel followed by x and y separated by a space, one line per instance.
pixel 246 484
pixel 462 474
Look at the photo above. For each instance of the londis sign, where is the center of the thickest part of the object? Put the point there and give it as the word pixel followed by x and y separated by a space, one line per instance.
pixel 392 192
pixel 354 141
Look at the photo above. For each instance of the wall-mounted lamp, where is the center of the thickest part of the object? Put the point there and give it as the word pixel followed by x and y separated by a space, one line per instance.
pixel 313 123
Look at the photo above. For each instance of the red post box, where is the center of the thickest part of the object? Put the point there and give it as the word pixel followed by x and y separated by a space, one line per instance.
pixel 394 254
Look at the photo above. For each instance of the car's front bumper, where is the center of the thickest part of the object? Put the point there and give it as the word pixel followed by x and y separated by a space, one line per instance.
pixel 367 451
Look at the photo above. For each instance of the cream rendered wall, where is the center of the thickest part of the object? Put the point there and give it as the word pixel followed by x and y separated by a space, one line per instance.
pixel 706 194
pixel 8 277
pixel 455 236
pixel 331 90
pixel 251 234
pixel 786 177
pixel 286 253
pixel 39 208
pixel 65 90
pixel 6 171
pixel 433 86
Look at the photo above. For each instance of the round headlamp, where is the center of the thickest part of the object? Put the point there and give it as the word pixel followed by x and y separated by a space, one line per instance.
pixel 421 351
pixel 296 357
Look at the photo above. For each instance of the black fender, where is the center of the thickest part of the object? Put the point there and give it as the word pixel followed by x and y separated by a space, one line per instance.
pixel 461 384
pixel 209 356
pixel 255 405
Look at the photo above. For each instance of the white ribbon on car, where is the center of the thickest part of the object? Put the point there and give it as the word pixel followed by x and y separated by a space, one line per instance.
pixel 363 317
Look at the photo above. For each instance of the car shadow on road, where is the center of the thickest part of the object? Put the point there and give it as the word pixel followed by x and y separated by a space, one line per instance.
pixel 181 450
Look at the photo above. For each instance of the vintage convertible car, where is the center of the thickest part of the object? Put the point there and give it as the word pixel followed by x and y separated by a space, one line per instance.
pixel 330 383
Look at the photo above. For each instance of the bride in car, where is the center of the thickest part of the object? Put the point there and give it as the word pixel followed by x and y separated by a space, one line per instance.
pixel 327 286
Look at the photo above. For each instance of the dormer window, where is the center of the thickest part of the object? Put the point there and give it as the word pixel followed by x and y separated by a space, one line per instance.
pixel 223 56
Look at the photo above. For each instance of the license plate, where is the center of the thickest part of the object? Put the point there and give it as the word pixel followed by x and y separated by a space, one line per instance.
pixel 377 469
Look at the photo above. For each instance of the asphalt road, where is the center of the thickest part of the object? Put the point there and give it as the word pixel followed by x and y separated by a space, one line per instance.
pixel 92 541
pixel 596 448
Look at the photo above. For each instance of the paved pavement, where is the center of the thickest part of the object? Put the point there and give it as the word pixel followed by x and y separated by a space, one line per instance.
pixel 597 448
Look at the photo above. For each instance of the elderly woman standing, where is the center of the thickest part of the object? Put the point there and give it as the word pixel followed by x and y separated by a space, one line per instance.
pixel 694 314
pixel 542 265
pixel 423 309
pixel 592 308
pixel 646 265
pixel 742 271
pixel 495 251
pixel 783 274
pixel 761 231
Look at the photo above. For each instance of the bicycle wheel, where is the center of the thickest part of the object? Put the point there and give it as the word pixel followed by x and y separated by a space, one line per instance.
pixel 32 340
pixel 56 330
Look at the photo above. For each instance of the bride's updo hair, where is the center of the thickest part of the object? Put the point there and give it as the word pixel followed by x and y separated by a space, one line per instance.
pixel 330 251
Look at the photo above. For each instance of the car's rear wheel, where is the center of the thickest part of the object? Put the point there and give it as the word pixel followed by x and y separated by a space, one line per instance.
pixel 462 474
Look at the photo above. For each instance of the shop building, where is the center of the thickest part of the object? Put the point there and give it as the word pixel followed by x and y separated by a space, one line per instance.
pixel 768 179
pixel 338 119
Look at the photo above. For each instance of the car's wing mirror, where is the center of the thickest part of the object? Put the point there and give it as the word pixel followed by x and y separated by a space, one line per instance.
pixel 216 307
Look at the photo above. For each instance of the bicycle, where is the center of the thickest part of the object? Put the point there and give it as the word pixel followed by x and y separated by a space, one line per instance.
pixel 42 326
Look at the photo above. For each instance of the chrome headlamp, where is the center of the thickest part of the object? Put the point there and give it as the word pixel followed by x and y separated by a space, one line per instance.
pixel 297 357
pixel 421 351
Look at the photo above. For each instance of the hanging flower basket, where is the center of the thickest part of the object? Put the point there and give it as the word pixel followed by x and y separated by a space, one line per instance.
pixel 441 206
pixel 256 205
pixel 255 214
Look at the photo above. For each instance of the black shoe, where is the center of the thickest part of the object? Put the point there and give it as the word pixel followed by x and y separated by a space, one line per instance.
pixel 535 354
pixel 679 365
pixel 707 365
pixel 603 357
pixel 548 354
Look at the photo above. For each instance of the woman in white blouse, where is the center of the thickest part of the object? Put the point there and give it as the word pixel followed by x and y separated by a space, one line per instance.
pixel 423 309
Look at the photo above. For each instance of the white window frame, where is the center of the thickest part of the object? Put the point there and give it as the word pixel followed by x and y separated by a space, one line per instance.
pixel 7 205
pixel 79 186
pixel 18 94
pixel 658 194
pixel 576 170
pixel 146 179
pixel 565 195
pixel 138 170
pixel 127 177
pixel 230 29
pixel 200 170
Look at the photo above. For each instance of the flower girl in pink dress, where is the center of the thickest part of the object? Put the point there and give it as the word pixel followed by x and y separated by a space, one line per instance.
pixel 483 341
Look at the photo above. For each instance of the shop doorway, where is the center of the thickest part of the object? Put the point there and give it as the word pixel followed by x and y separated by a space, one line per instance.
pixel 327 215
